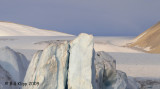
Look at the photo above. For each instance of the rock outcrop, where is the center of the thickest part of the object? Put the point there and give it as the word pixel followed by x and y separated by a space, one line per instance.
pixel 149 40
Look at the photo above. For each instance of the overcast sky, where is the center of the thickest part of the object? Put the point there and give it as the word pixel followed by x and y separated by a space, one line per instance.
pixel 97 17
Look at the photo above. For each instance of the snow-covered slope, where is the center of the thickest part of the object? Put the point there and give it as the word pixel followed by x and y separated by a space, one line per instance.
pixel 148 40
pixel 12 29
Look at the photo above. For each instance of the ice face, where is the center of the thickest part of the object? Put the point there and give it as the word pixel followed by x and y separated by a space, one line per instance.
pixel 107 77
pixel 80 74
pixel 15 63
pixel 49 67
pixel 5 79
pixel 13 68
pixel 105 70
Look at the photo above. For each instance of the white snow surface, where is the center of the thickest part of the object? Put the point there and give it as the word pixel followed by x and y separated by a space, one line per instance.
pixel 147 48
pixel 13 29
pixel 114 44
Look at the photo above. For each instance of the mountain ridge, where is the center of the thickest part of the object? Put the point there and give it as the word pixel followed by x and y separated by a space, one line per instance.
pixel 149 40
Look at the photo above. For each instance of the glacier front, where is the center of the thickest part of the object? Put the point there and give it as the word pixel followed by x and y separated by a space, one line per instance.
pixel 75 65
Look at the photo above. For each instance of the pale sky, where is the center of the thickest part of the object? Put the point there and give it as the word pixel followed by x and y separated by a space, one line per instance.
pixel 97 17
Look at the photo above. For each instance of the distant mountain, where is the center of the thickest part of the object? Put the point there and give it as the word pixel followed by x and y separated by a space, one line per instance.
pixel 148 40
pixel 13 29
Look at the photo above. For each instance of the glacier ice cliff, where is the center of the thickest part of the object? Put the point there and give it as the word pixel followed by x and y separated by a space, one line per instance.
pixel 75 65
pixel 13 66
pixel 81 63
pixel 49 67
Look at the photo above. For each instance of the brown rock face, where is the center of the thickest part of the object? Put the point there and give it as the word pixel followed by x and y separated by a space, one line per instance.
pixel 149 40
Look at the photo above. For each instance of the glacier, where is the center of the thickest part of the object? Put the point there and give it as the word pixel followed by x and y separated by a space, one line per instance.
pixel 75 65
